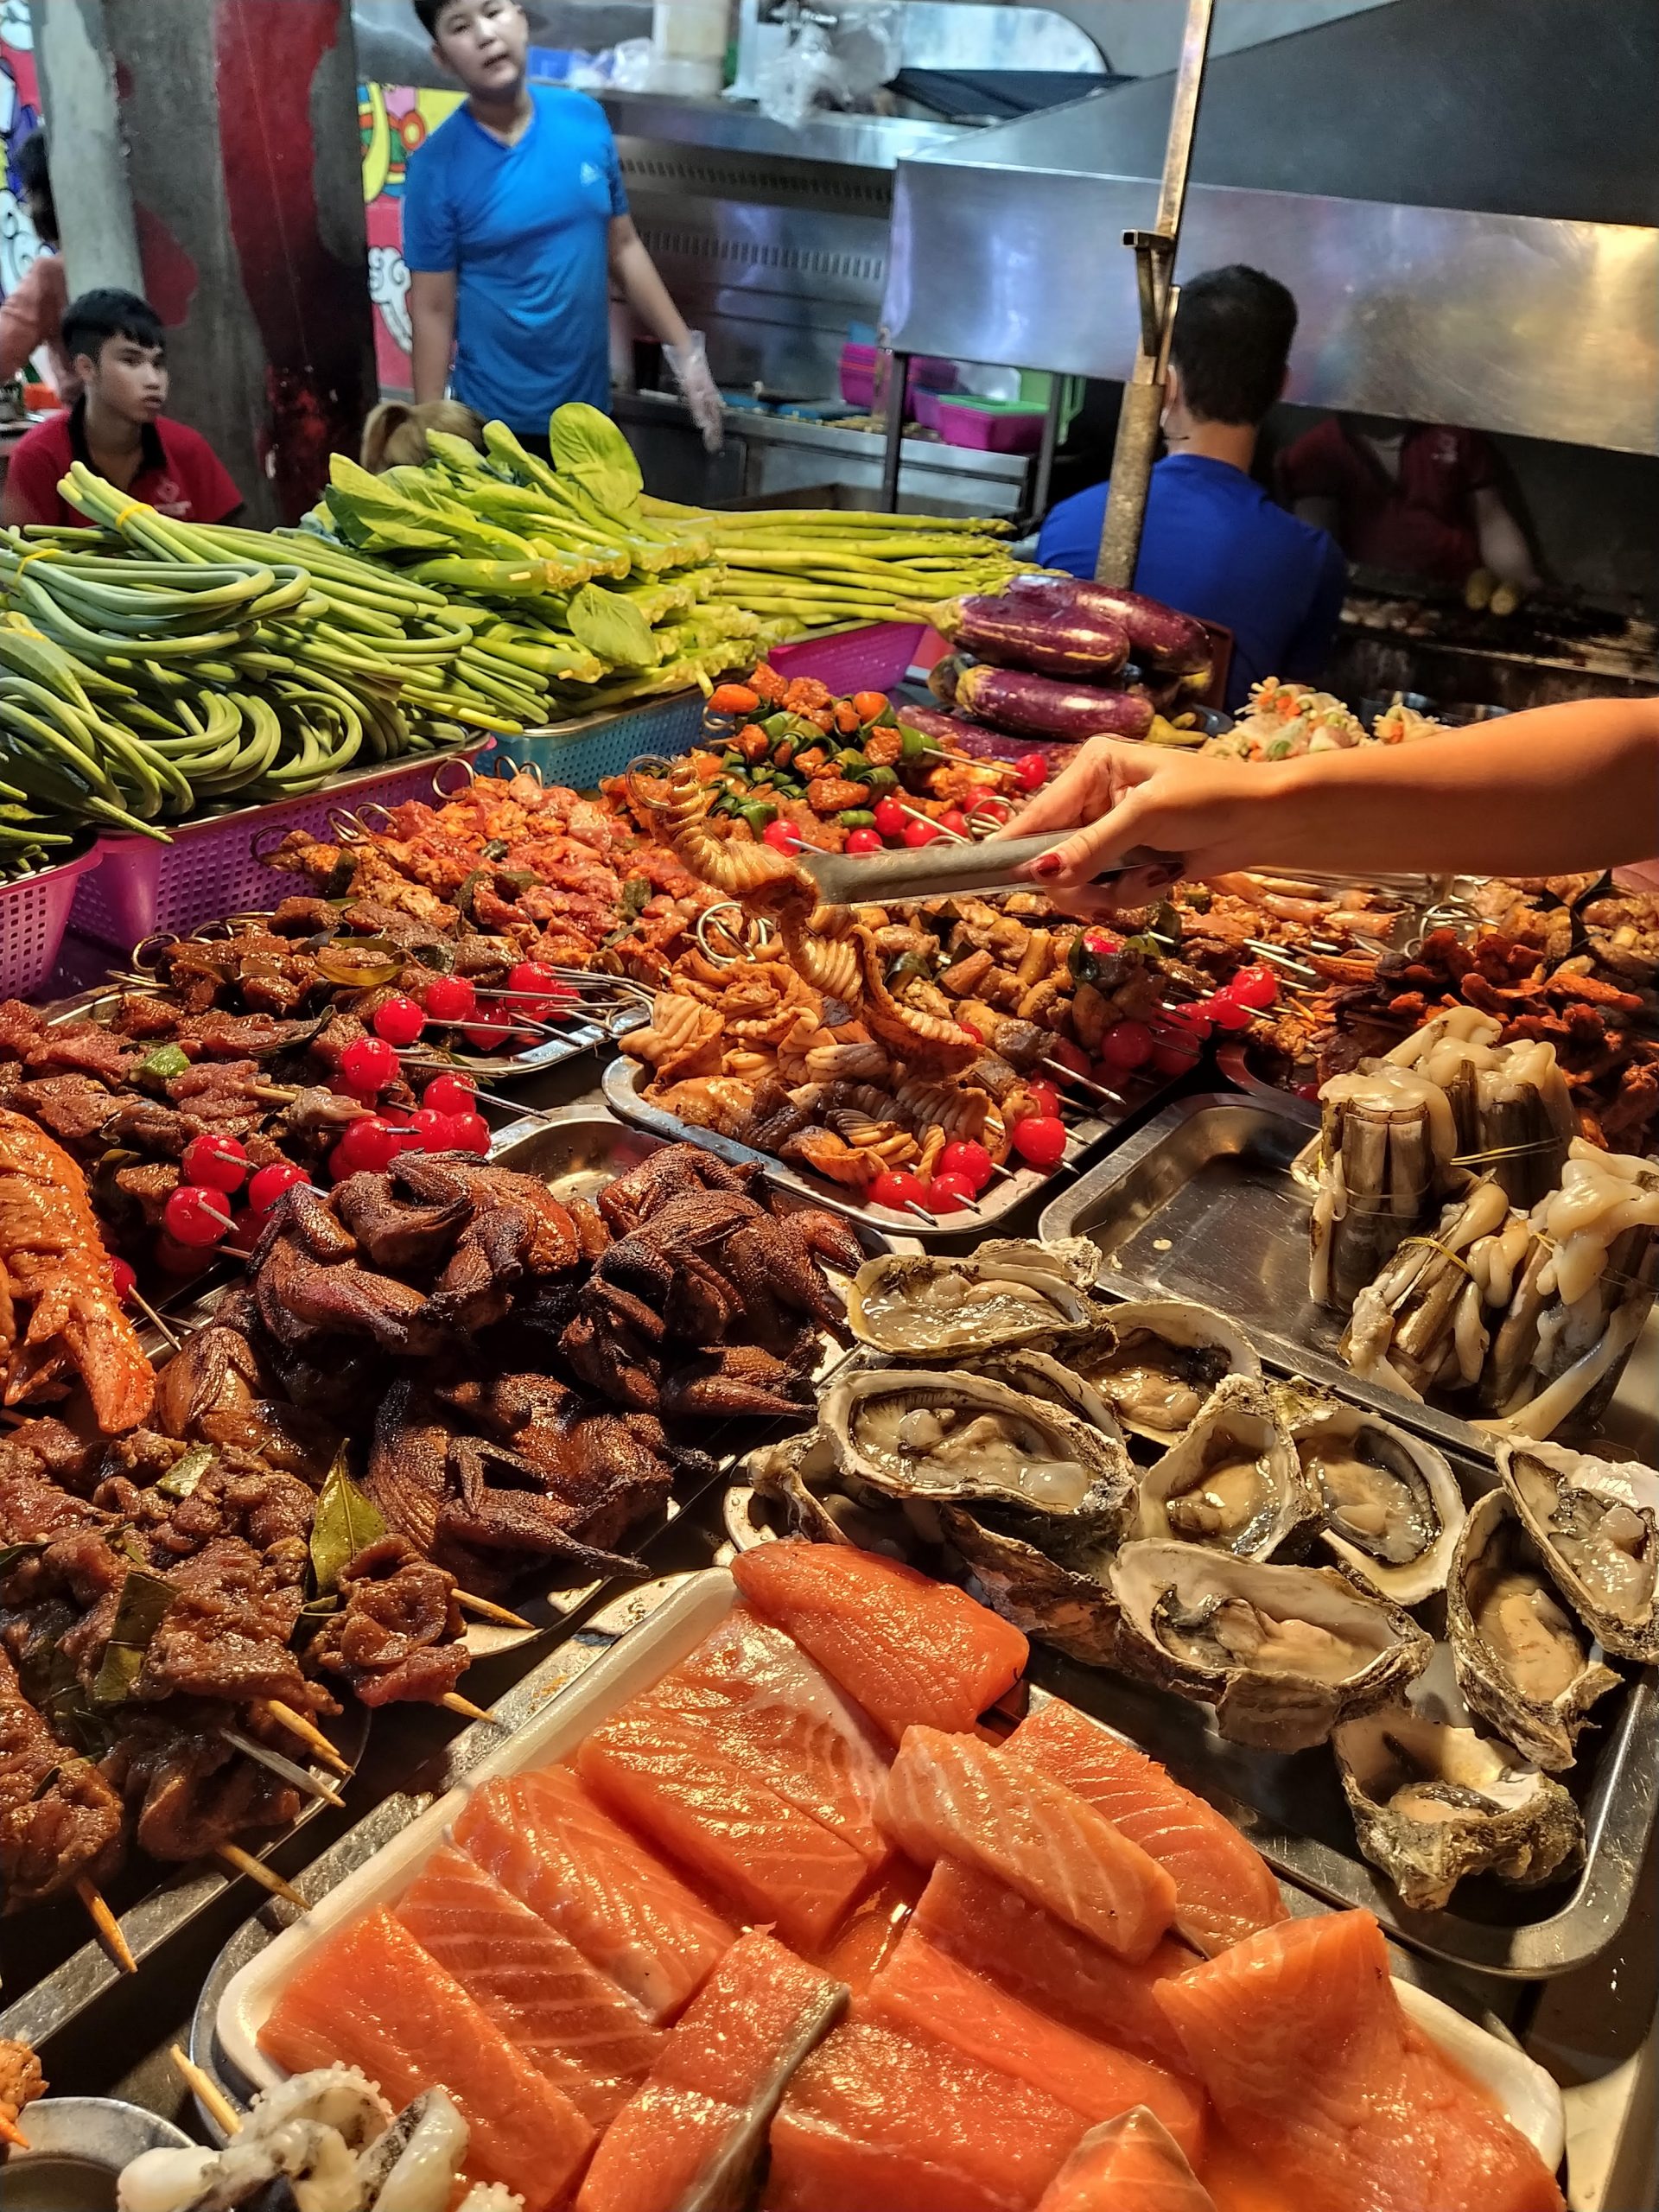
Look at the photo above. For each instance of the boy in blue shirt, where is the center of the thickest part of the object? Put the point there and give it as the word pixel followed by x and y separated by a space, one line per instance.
pixel 1215 544
pixel 514 222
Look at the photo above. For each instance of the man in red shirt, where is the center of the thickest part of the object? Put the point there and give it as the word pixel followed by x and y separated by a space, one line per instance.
pixel 1412 499
pixel 116 342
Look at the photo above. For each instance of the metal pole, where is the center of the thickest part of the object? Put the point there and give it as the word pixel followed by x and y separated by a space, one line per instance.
pixel 1045 452
pixel 893 451
pixel 1154 268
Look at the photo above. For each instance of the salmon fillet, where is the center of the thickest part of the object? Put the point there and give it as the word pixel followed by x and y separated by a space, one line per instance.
pixel 691 2136
pixel 906 1647
pixel 1129 2164
pixel 545 1840
pixel 571 2022
pixel 1224 1890
pixel 370 1997
pixel 924 1992
pixel 953 1797
pixel 1003 1935
pixel 1312 2064
pixel 874 2122
pixel 775 1713
pixel 873 1926
pixel 778 1864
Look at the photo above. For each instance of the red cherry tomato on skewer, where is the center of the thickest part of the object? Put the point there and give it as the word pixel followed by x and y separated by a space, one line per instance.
pixel 399 1020
pixel 1040 1140
pixel 372 1144
pixel 1100 944
pixel 369 1064
pixel 1031 769
pixel 890 817
pixel 1126 1045
pixel 954 818
pixel 1173 1052
pixel 432 1130
pixel 215 1163
pixel 450 998
pixel 951 1193
pixel 1044 1100
pixel 450 1093
pixel 1226 1013
pixel 195 1217
pixel 124 1275
pixel 245 1230
pixel 968 1160
pixel 1256 987
pixel 897 1189
pixel 490 1031
pixel 783 836
pixel 864 840
pixel 472 1134
pixel 921 833
pixel 269 1184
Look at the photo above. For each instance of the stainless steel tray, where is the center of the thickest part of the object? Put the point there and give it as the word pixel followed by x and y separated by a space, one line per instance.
pixel 1291 1807
pixel 1200 1204
pixel 624 1081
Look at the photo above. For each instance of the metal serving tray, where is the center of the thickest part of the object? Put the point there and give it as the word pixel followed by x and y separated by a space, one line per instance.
pixel 1201 1203
pixel 624 1081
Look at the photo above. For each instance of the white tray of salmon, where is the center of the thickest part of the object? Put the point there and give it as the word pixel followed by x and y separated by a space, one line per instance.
pixel 764 1912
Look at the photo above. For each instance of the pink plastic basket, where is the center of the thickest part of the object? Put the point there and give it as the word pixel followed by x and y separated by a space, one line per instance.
pixel 209 870
pixel 869 658
pixel 989 426
pixel 34 914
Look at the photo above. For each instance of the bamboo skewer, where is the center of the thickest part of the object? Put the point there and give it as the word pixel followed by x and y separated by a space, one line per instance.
pixel 208 2095
pixel 452 1701
pixel 244 1862
pixel 487 1609
pixel 309 1734
pixel 108 1926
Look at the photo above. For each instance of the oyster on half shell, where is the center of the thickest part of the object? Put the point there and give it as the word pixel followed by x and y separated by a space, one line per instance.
pixel 1597 1529
pixel 1282 1653
pixel 1523 1664
pixel 933 1309
pixel 1233 1481
pixel 1163 1359
pixel 1432 1802
pixel 1393 1506
pixel 963 1439
pixel 1040 1375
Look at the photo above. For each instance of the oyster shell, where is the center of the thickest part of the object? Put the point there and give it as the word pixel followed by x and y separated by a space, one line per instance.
pixel 1282 1653
pixel 1066 1602
pixel 1523 1664
pixel 1597 1529
pixel 924 1433
pixel 1432 1802
pixel 926 1308
pixel 1392 1508
pixel 1233 1482
pixel 1040 1376
pixel 1164 1357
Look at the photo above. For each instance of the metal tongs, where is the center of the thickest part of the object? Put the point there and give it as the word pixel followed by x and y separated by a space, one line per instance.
pixel 939 869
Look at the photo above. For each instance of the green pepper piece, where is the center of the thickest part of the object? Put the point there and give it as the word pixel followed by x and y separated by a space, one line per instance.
pixel 758 815
pixel 780 725
pixel 913 743
pixel 881 779
pixel 856 817
pixel 853 764
pixel 734 763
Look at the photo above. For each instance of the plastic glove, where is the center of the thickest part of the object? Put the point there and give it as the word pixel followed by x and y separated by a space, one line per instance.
pixel 689 363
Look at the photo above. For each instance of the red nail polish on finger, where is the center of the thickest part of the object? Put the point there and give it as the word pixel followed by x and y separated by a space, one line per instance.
pixel 1046 864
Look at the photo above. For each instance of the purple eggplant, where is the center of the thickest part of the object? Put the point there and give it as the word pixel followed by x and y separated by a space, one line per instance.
pixel 1158 638
pixel 1050 634
pixel 1039 706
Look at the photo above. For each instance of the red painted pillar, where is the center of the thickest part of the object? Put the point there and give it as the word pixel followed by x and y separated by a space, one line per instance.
pixel 240 119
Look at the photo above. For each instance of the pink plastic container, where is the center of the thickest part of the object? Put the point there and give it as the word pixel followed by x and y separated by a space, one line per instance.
pixel 209 870
pixel 859 385
pixel 34 914
pixel 990 426
pixel 869 658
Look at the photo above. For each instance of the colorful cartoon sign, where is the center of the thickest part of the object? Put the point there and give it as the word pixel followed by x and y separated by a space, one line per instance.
pixel 20 114
pixel 395 119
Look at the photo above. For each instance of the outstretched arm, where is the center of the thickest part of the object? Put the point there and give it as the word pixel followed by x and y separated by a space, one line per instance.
pixel 1544 793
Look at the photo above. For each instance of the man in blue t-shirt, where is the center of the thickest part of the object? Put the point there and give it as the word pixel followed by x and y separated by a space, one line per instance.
pixel 514 222
pixel 1214 543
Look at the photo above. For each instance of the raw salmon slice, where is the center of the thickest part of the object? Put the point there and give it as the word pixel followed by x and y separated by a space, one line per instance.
pixel 953 1797
pixel 370 1997
pixel 545 1839
pixel 1129 2164
pixel 1299 2037
pixel 924 1992
pixel 571 2022
pixel 874 2122
pixel 690 2138
pixel 1224 1890
pixel 776 1714
pixel 875 1925
pixel 907 1647
pixel 777 1864
pixel 1003 1935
